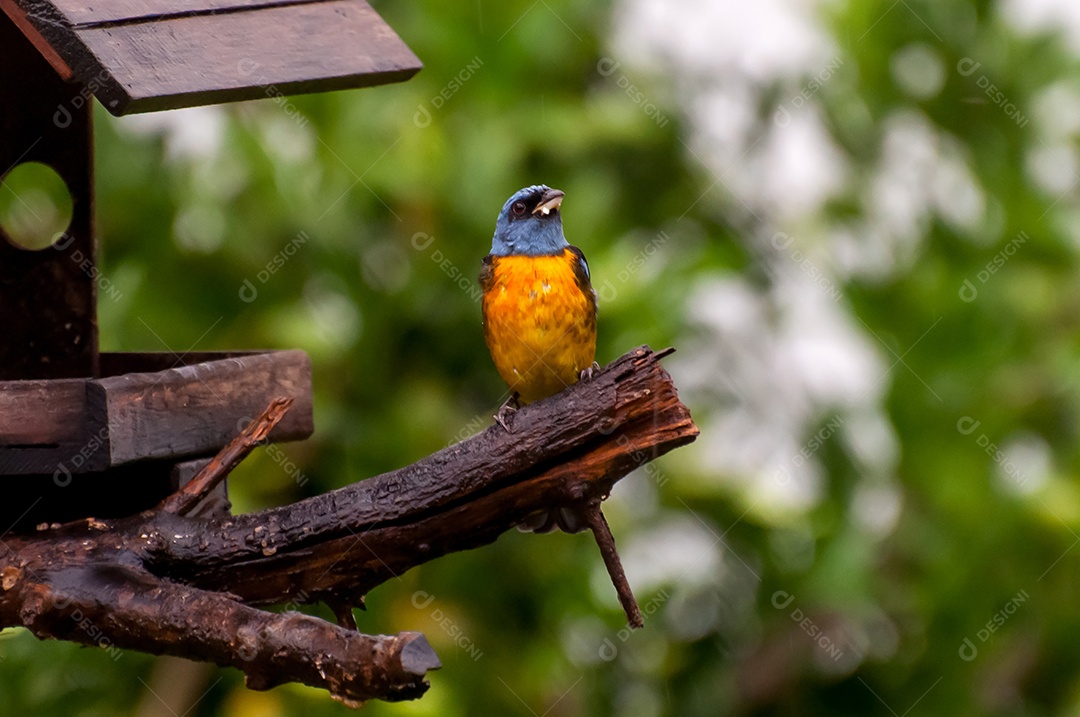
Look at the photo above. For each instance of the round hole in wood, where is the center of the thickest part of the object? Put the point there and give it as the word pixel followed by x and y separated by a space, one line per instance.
pixel 35 206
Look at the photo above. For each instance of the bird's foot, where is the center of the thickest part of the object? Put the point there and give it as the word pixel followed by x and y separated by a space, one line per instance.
pixel 539 522
pixel 588 373
pixel 570 520
pixel 344 614
pixel 505 415
pixel 566 519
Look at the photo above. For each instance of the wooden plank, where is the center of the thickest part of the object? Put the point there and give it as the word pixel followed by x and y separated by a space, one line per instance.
pixel 31 33
pixel 115 364
pixel 59 461
pixel 249 55
pixel 190 410
pixel 67 427
pixel 45 429
pixel 244 53
pixel 96 12
pixel 41 412
pixel 51 411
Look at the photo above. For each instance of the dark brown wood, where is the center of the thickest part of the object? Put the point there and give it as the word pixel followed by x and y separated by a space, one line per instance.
pixel 47 297
pixel 213 473
pixel 18 16
pixel 216 504
pixel 91 425
pixel 91 12
pixel 58 497
pixel 192 410
pixel 171 584
pixel 119 607
pixel 565 451
pixel 117 364
pixel 146 56
pixel 606 542
pixel 42 413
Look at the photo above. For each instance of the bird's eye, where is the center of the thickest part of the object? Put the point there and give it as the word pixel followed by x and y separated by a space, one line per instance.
pixel 518 208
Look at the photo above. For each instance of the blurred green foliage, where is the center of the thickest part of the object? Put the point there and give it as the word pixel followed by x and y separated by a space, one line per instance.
pixel 959 599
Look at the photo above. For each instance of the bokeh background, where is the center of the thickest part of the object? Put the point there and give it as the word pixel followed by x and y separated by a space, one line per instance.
pixel 859 224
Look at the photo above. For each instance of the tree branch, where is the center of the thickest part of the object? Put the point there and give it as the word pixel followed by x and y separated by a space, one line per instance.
pixel 269 648
pixel 182 501
pixel 169 583
pixel 606 542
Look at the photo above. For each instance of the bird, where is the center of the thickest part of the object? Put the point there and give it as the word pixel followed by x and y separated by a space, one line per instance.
pixel 538 305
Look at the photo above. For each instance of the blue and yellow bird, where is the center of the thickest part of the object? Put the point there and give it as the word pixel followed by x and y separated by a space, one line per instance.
pixel 539 307
pixel 539 312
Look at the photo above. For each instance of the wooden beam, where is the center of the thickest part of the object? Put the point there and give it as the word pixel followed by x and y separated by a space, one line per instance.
pixel 190 410
pixel 47 297
pixel 148 55
pixel 31 33
pixel 148 406
pixel 88 13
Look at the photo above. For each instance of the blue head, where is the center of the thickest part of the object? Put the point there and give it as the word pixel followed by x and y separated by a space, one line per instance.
pixel 530 223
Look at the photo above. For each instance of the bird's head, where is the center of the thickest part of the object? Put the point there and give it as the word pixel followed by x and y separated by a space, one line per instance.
pixel 530 223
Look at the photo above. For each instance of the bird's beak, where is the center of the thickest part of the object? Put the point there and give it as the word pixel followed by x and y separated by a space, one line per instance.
pixel 551 201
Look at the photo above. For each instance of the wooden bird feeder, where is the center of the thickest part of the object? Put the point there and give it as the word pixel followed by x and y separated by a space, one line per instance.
pixel 111 434
pixel 114 516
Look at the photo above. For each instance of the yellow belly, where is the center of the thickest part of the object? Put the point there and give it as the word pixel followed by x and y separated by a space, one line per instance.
pixel 539 324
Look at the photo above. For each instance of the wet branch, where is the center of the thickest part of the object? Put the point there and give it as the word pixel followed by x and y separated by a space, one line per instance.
pixel 166 582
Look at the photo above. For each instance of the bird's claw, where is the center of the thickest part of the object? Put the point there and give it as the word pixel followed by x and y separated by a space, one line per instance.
pixel 539 522
pixel 570 520
pixel 567 519
pixel 588 373
pixel 505 415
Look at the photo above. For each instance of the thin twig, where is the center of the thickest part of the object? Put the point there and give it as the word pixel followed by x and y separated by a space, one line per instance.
pixel 606 541
pixel 184 500
pixel 344 614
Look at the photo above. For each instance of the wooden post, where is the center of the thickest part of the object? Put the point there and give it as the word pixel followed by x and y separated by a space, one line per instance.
pixel 47 297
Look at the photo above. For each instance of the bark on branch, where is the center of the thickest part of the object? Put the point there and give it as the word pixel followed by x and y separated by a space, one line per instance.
pixel 166 582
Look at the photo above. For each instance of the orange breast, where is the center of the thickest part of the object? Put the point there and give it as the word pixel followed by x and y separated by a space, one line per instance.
pixel 540 325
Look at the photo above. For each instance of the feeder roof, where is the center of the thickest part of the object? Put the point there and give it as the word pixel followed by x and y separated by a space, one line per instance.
pixel 148 55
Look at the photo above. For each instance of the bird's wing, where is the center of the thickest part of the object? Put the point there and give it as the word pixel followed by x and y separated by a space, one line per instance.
pixel 487 273
pixel 581 273
pixel 581 268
